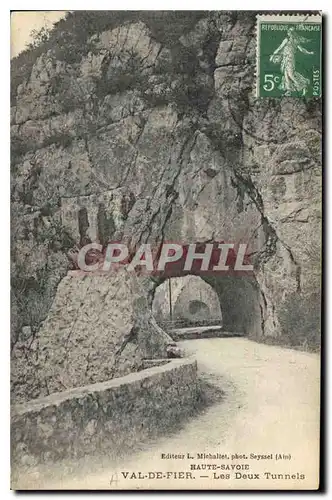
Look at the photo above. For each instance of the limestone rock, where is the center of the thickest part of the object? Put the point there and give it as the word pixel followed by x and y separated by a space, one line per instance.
pixel 99 327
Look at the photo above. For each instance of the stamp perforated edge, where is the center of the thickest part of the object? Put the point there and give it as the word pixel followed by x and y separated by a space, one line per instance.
pixel 286 18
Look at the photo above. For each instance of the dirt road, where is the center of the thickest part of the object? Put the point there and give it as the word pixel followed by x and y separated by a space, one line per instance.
pixel 270 406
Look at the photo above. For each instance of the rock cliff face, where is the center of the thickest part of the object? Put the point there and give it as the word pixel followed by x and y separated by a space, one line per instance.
pixel 148 130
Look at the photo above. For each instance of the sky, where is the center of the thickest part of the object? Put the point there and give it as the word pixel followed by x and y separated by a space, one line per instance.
pixel 22 23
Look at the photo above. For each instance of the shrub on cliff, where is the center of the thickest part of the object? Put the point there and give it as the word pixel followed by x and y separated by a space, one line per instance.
pixel 300 320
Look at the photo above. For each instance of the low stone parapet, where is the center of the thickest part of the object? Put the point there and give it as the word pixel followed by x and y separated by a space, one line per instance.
pixel 201 332
pixel 106 417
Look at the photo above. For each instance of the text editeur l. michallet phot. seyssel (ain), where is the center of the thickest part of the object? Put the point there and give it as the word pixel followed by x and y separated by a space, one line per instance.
pixel 166 219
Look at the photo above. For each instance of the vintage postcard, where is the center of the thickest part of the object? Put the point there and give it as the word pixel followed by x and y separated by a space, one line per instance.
pixel 166 221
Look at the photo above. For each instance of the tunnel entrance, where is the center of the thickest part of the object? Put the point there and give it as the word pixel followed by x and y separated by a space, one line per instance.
pixel 242 303
pixel 198 308
pixel 231 304
pixel 185 302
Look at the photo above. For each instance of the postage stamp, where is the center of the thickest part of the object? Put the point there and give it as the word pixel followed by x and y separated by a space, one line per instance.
pixel 289 56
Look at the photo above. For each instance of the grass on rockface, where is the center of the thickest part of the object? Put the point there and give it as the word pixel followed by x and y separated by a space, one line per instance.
pixel 69 37
pixel 300 320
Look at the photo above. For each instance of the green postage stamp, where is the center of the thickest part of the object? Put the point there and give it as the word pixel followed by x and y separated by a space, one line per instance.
pixel 289 56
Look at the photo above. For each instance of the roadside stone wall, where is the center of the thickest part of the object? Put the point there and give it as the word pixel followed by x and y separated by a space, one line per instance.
pixel 108 417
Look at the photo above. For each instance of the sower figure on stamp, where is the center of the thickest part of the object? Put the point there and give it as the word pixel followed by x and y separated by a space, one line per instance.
pixel 292 81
